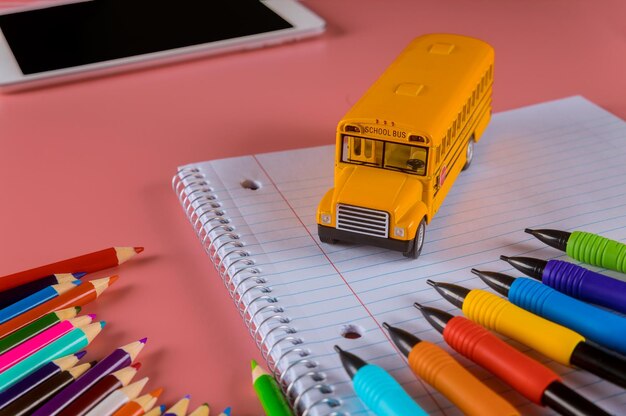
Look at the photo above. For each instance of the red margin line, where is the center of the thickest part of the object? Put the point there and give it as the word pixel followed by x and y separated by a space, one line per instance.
pixel 424 386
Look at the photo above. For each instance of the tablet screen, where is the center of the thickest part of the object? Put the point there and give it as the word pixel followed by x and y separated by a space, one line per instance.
pixel 101 30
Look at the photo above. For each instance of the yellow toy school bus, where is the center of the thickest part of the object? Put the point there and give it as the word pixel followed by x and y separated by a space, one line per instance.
pixel 403 144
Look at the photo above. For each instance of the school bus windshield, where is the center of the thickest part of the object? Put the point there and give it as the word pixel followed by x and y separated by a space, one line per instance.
pixel 385 155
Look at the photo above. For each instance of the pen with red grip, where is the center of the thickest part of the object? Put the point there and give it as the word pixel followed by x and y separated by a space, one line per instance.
pixel 530 378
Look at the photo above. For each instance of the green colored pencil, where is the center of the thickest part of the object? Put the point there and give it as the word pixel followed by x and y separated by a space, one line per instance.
pixel 270 395
pixel 40 325
pixel 69 343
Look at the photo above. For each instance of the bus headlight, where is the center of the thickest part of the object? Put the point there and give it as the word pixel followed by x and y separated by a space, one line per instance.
pixel 326 218
pixel 398 231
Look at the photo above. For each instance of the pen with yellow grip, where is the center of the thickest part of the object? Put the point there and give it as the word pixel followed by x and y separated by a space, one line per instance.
pixel 439 369
pixel 550 339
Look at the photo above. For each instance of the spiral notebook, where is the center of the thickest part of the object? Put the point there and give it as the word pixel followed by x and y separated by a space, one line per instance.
pixel 558 164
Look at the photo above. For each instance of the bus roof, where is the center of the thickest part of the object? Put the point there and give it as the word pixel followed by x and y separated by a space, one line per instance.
pixel 426 86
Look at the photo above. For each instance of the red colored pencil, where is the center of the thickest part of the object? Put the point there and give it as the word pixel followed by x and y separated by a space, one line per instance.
pixel 87 263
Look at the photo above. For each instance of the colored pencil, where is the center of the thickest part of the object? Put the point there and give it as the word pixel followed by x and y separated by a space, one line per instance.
pixel 70 343
pixel 11 296
pixel 44 373
pixel 157 411
pixel 202 410
pixel 179 408
pixel 79 296
pixel 36 327
pixel 118 359
pixel 87 263
pixel 26 404
pixel 118 399
pixel 36 343
pixel 226 412
pixel 140 405
pixel 101 390
pixel 36 299
pixel 270 395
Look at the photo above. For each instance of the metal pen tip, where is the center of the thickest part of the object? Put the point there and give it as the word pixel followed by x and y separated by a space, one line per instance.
pixel 337 348
pixel 529 231
pixel 386 325
pixel 431 283
pixel 418 306
pixel 475 271
pixel 505 258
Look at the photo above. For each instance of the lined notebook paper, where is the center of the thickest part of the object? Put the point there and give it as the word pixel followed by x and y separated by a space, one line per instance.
pixel 559 165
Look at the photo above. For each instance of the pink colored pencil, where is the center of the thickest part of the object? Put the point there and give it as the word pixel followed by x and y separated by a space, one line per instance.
pixel 17 354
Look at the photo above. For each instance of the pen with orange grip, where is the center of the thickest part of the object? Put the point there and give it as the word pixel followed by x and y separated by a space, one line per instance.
pixel 530 378
pixel 439 369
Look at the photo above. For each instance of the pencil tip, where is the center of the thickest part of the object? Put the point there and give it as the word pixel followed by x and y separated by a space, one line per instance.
pixel 157 392
pixel 138 249
pixel 92 316
pixel 162 407
pixel 78 309
pixel 253 364
pixel 103 324
pixel 187 396
pixel 80 354
pixel 143 340
pixel 136 366
pixel 79 275
pixel 113 279
pixel 227 411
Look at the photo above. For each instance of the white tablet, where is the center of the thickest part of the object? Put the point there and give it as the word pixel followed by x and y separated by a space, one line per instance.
pixel 97 37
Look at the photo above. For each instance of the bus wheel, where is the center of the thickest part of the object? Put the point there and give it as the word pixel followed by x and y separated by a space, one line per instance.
pixel 418 242
pixel 469 153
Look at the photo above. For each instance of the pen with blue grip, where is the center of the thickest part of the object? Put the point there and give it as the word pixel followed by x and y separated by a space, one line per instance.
pixel 380 392
pixel 595 324
pixel 574 280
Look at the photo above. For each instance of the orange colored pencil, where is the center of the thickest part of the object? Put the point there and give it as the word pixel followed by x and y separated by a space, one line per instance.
pixel 140 405
pixel 79 296
pixel 87 263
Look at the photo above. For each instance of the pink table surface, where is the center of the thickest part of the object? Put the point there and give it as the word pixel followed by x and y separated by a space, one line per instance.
pixel 88 165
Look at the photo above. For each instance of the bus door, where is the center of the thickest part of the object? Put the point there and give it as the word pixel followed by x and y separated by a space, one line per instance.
pixel 362 150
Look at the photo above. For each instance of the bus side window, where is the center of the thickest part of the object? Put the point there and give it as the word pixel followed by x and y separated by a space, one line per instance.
pixel 368 149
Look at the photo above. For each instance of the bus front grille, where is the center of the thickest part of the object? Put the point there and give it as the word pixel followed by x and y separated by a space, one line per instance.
pixel 362 220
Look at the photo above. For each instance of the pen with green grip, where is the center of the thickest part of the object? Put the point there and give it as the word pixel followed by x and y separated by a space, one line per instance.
pixel 586 247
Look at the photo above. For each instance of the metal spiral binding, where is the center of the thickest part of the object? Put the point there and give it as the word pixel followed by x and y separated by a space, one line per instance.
pixel 226 250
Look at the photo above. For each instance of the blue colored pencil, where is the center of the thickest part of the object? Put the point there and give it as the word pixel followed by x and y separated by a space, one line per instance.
pixel 36 299
pixel 9 297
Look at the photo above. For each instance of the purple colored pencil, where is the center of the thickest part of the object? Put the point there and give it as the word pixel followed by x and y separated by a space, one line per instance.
pixel 33 380
pixel 118 359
